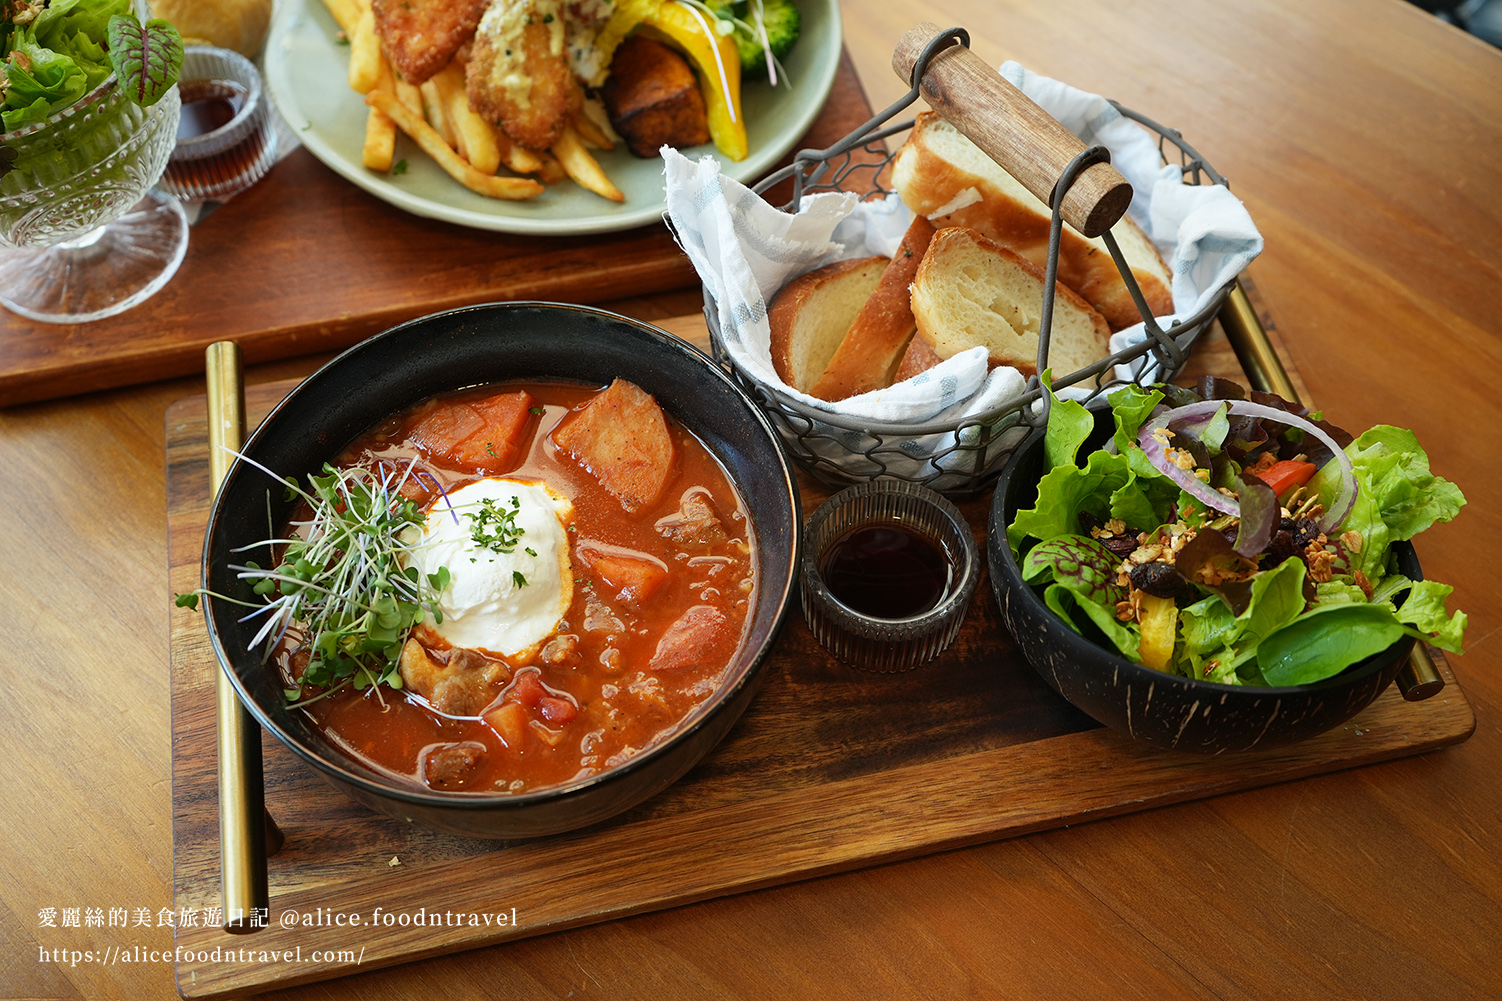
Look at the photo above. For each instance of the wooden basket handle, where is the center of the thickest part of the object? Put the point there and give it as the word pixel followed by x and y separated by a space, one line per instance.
pixel 1025 140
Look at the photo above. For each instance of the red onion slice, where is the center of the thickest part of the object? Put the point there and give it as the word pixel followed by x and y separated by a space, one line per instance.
pixel 1157 454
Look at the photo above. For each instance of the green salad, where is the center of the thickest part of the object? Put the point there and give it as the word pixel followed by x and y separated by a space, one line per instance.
pixel 1234 537
pixel 56 51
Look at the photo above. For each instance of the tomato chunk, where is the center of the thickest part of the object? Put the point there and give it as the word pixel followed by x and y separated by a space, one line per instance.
pixel 1285 475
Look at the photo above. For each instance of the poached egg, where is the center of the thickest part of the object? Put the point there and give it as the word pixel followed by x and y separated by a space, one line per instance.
pixel 506 603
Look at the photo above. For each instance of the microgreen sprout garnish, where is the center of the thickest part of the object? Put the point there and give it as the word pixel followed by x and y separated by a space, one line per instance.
pixel 343 581
pixel 491 450
pixel 494 527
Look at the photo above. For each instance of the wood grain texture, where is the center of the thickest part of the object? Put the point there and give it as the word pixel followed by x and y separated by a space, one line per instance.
pixel 1382 267
pixel 332 265
pixel 1005 123
pixel 830 769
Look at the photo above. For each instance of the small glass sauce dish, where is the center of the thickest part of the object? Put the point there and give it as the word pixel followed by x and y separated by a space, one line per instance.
pixel 224 140
pixel 888 570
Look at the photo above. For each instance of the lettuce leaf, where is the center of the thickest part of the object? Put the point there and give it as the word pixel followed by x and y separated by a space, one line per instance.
pixel 1212 632
pixel 1427 619
pixel 1397 497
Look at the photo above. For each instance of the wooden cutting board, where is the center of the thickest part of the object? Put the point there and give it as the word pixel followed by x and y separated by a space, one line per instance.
pixel 828 770
pixel 306 262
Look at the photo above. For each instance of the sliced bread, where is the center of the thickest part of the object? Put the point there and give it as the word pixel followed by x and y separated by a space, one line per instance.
pixel 944 176
pixel 868 355
pixel 972 291
pixel 811 314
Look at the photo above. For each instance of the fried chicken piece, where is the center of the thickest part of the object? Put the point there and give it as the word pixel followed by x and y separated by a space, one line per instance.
pixel 518 74
pixel 421 36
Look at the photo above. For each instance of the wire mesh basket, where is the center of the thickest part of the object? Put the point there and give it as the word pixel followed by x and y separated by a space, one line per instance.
pixel 970 452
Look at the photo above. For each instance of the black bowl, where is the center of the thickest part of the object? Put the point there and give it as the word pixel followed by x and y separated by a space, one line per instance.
pixel 470 347
pixel 1152 706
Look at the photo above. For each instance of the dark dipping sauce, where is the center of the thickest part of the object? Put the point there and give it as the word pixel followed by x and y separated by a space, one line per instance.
pixel 210 169
pixel 887 571
pixel 208 105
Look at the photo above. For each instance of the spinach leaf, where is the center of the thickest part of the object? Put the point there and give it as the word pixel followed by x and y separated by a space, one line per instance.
pixel 1325 641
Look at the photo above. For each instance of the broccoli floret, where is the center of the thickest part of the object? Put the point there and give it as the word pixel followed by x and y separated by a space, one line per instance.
pixel 782 24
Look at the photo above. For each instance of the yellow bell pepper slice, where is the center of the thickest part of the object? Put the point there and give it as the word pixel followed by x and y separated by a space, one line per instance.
pixel 1159 620
pixel 718 65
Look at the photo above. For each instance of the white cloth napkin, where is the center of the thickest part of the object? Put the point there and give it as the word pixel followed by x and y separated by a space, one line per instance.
pixel 744 251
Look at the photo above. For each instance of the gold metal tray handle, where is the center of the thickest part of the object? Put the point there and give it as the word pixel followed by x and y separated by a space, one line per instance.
pixel 244 825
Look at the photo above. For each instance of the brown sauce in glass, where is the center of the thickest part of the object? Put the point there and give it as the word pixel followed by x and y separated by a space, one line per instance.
pixel 886 571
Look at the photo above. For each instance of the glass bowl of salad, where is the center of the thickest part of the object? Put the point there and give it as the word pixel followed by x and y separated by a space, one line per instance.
pixel 1214 570
pixel 89 116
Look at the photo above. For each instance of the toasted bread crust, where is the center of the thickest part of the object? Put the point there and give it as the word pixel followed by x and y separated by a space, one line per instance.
pixel 868 356
pixel 971 291
pixel 936 167
pixel 811 314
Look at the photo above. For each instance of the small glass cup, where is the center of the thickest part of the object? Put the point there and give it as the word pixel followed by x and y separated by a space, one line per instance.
pixel 225 142
pixel 910 517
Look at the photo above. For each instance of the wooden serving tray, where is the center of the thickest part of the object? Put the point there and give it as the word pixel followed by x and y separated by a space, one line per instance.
pixel 306 262
pixel 829 769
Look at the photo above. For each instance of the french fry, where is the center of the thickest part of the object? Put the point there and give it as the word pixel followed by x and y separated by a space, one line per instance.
pixel 582 167
pixel 408 95
pixel 380 131
pixel 519 158
pixel 592 134
pixel 380 141
pixel 474 137
pixel 434 111
pixel 346 14
pixel 551 171
pixel 364 55
pixel 489 185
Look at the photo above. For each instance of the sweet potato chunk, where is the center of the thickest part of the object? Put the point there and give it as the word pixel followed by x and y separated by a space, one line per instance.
pixel 684 643
pixel 622 438
pixel 486 434
pixel 630 577
pixel 652 98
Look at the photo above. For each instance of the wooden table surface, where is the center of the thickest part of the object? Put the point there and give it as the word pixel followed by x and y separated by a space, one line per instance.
pixel 1364 138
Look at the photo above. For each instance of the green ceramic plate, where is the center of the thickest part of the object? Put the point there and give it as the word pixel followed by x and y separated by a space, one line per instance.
pixel 306 75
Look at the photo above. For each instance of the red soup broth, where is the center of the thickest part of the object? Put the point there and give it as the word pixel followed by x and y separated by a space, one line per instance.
pixel 591 698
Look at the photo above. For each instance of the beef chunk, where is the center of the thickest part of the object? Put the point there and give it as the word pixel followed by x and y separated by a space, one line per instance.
pixel 684 642
pixel 451 766
pixel 622 438
pixel 457 682
pixel 696 525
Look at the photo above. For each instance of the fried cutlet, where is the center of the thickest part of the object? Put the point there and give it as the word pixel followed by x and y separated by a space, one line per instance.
pixel 421 36
pixel 518 74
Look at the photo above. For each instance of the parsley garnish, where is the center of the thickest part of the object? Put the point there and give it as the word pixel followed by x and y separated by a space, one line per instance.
pixel 539 411
pixel 494 527
pixel 400 167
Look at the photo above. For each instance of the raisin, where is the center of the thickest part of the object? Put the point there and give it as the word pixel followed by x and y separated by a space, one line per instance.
pixel 1161 580
pixel 1121 545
